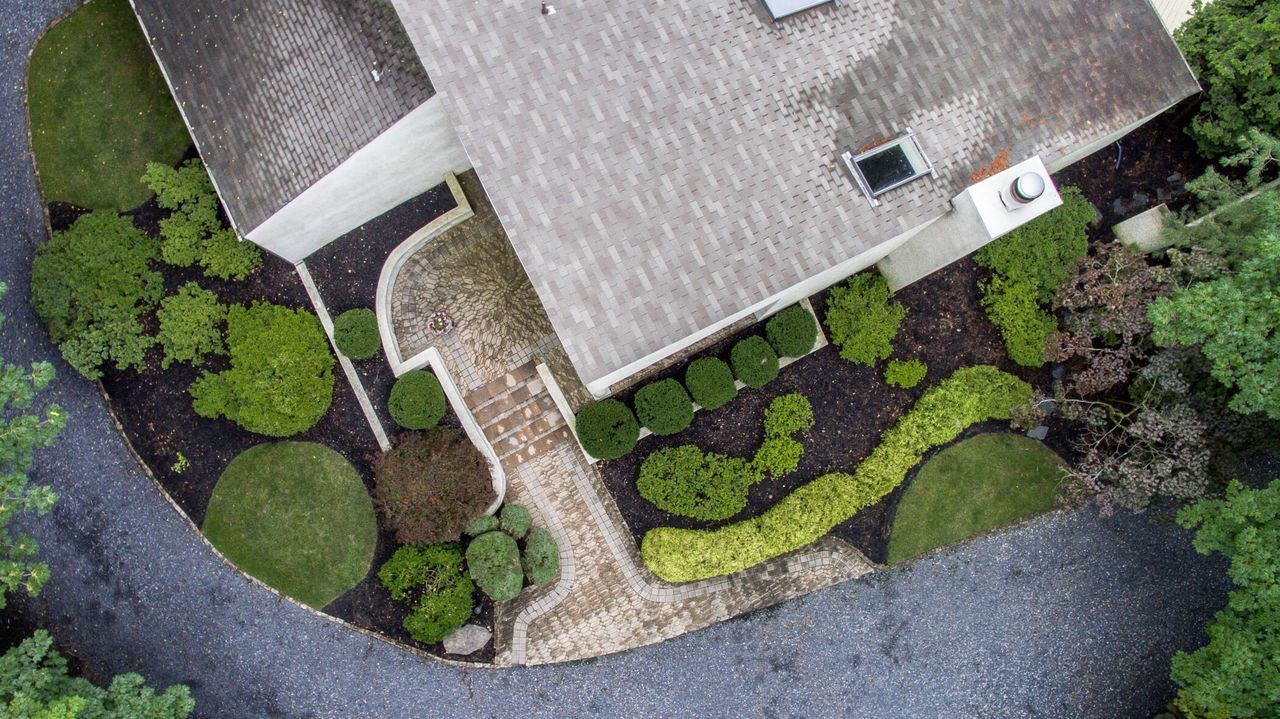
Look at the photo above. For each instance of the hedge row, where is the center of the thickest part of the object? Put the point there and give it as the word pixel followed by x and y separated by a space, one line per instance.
pixel 972 394
pixel 608 429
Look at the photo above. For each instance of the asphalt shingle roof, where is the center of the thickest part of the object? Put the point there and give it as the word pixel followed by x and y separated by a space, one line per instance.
pixel 278 93
pixel 661 166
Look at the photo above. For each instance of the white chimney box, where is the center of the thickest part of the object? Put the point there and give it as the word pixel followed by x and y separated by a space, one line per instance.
pixel 999 207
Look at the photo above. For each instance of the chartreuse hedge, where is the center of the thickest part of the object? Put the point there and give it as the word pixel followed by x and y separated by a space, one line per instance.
pixel 970 395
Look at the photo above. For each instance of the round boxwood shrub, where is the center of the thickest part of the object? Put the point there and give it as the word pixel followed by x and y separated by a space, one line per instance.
pixel 432 580
pixel 417 401
pixel 664 407
pixel 493 560
pixel 905 373
pixel 515 520
pixel 754 361
pixel 710 381
pixel 480 525
pixel 541 559
pixel 607 429
pixel 792 331
pixel 356 333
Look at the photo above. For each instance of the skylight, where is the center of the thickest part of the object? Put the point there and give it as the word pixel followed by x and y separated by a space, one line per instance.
pixel 888 166
pixel 782 8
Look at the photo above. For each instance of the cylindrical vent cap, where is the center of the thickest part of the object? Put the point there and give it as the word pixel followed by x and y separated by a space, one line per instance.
pixel 1028 187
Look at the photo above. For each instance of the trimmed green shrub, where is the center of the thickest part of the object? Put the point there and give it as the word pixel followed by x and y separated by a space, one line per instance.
pixel 972 394
pixel 863 319
pixel 1043 251
pixel 90 285
pixel 710 382
pixel 541 560
pixel 1011 306
pixel 792 332
pixel 193 233
pixel 281 377
pixel 514 520
pixel 688 482
pixel 493 560
pixel 191 326
pixel 432 486
pixel 480 525
pixel 664 407
pixel 417 400
pixel 905 373
pixel 355 332
pixel 433 581
pixel 607 429
pixel 754 362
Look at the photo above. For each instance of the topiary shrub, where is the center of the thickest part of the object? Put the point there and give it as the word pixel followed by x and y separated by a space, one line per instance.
pixel 493 560
pixel 905 373
pixel 664 407
pixel 607 429
pixel 193 233
pixel 431 485
pixel 788 415
pixel 541 559
pixel 972 394
pixel 191 326
pixel 863 319
pixel 355 332
pixel 433 581
pixel 754 362
pixel 1025 327
pixel 91 285
pixel 792 332
pixel 417 400
pixel 480 525
pixel 514 520
pixel 710 382
pixel 281 377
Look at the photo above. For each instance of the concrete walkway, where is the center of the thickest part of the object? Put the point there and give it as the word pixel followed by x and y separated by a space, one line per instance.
pixel 1072 616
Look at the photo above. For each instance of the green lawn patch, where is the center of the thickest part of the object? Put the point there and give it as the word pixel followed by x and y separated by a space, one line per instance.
pixel 981 483
pixel 100 109
pixel 296 516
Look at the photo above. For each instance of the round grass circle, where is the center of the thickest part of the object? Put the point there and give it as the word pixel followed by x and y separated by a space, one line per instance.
pixel 296 516
pixel 981 483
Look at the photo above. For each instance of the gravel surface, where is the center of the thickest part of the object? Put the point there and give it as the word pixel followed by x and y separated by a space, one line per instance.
pixel 1072 616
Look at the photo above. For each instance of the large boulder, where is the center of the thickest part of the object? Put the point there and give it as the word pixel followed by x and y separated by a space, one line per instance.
pixel 467 639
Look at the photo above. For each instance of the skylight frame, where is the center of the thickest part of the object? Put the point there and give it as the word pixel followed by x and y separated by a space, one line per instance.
pixel 906 140
pixel 791 7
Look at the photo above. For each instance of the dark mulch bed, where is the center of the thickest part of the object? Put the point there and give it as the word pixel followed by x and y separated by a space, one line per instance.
pixel 1154 163
pixel 346 273
pixel 155 411
pixel 852 405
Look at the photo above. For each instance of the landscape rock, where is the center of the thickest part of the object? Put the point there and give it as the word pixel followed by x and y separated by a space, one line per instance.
pixel 1039 433
pixel 466 640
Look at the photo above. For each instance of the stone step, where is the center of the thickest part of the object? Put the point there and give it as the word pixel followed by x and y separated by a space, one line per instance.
pixel 539 445
pixel 491 390
pixel 519 417
pixel 494 407
pixel 525 434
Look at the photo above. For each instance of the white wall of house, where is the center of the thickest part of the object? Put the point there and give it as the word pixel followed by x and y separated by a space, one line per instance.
pixel 1173 12
pixel 407 159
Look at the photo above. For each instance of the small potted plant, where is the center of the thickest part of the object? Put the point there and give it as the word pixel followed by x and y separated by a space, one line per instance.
pixel 439 322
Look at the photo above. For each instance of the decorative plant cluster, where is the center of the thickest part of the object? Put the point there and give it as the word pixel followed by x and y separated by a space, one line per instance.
pixel 863 319
pixel 495 560
pixel 91 285
pixel 970 395
pixel 417 400
pixel 430 485
pixel 281 378
pixel 904 373
pixel 688 482
pixel 1027 266
pixel 433 580
pixel 608 429
pixel 355 332
pixel 193 233
pixel 191 326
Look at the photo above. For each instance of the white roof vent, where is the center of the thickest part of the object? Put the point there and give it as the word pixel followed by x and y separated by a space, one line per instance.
pixel 1013 197
pixel 782 8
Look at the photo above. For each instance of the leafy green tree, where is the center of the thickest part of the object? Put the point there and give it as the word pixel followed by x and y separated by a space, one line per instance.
pixel 22 430
pixel 91 285
pixel 1231 47
pixel 1237 674
pixel 34 684
pixel 1235 321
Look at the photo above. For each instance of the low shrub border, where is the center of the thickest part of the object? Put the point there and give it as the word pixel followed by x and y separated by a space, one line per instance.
pixel 417 400
pixel 355 332
pixel 970 395
pixel 664 407
pixel 607 429
pixel 792 332
pixel 710 382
